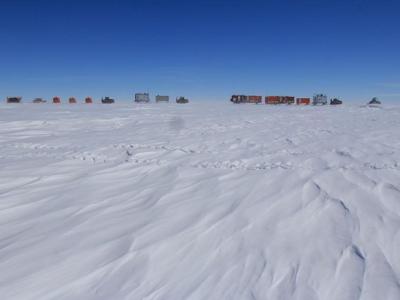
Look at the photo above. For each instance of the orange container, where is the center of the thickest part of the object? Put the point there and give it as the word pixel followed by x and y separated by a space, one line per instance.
pixel 303 101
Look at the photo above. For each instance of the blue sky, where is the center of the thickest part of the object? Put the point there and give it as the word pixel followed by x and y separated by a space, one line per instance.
pixel 205 50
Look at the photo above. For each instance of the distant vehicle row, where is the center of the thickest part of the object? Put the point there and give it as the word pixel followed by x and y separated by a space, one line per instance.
pixel 318 99
pixel 139 98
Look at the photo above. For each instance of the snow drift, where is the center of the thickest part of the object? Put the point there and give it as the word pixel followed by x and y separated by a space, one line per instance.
pixel 199 202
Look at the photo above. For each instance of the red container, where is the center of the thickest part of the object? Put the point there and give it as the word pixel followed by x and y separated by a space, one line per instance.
pixel 88 100
pixel 56 100
pixel 303 101
pixel 272 100
pixel 254 99
pixel 279 100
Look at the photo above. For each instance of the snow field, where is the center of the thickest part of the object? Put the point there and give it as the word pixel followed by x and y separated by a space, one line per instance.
pixel 199 201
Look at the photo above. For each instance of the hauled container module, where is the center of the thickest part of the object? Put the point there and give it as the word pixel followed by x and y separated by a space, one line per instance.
pixel 142 97
pixel 254 99
pixel 320 99
pixel 279 100
pixel 303 101
pixel 160 98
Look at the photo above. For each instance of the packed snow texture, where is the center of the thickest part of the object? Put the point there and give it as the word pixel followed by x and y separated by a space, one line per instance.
pixel 199 201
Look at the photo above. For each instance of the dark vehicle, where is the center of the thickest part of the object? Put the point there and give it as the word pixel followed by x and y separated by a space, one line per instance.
pixel 14 99
pixel 239 99
pixel 374 101
pixel 38 100
pixel 56 100
pixel 107 100
pixel 72 100
pixel 182 100
pixel 88 100
pixel 336 101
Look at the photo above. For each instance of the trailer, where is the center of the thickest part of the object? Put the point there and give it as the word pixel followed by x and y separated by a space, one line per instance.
pixel 14 99
pixel 107 100
pixel 336 101
pixel 320 99
pixel 72 100
pixel 56 100
pixel 288 100
pixel 39 100
pixel 182 100
pixel 254 99
pixel 162 98
pixel 142 98
pixel 279 100
pixel 303 101
pixel 88 100
pixel 272 100
pixel 239 99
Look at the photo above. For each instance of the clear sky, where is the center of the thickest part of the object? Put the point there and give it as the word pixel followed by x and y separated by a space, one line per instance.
pixel 205 50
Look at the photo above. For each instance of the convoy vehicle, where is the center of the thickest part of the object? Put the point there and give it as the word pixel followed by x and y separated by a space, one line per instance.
pixel 182 100
pixel 107 100
pixel 39 100
pixel 336 101
pixel 14 99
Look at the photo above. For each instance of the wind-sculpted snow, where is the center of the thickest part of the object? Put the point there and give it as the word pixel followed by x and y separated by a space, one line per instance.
pixel 199 201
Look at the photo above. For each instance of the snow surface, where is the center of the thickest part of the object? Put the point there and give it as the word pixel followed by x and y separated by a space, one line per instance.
pixel 199 201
